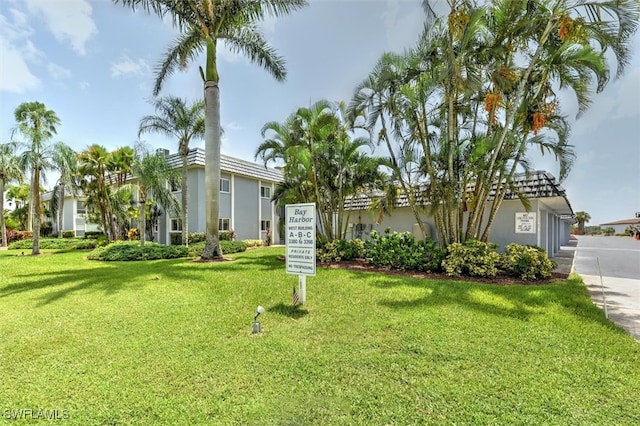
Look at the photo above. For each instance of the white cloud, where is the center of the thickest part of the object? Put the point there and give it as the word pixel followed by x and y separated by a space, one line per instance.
pixel 69 20
pixel 83 85
pixel 15 75
pixel 57 72
pixel 232 125
pixel 127 66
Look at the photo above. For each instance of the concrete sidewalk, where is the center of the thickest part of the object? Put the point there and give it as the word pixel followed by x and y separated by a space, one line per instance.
pixel 622 295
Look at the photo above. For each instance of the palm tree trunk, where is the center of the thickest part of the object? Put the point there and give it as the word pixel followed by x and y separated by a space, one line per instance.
pixel 143 220
pixel 60 210
pixel 212 249
pixel 3 225
pixel 35 208
pixel 184 152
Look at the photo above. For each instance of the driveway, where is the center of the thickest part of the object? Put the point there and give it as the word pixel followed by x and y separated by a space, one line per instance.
pixel 617 261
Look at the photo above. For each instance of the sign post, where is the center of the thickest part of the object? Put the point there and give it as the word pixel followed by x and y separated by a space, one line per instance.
pixel 300 231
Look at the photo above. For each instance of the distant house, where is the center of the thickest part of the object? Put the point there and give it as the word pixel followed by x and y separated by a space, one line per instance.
pixel 547 224
pixel 620 226
pixel 245 201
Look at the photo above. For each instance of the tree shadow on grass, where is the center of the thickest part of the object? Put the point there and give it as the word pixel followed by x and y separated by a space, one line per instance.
pixel 291 311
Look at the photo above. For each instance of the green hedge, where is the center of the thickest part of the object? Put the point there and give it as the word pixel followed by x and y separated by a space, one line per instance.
pixel 132 250
pixel 473 258
pixel 228 247
pixel 403 251
pixel 55 244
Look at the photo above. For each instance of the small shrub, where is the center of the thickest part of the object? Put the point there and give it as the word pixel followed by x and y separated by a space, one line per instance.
pixel 131 250
pixel 338 250
pixel 93 234
pixel 46 229
pixel 403 251
pixel 196 237
pixel 68 234
pixel 253 243
pixel 23 235
pixel 527 262
pixel 133 234
pixel 473 258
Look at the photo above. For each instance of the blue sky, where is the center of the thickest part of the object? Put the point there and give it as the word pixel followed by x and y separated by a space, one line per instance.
pixel 93 63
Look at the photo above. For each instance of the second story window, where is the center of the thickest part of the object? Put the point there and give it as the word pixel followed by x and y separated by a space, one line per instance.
pixel 265 192
pixel 225 185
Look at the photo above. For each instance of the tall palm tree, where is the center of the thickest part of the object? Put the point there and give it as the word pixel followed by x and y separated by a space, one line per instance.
pixel 93 170
pixel 202 23
pixel 9 171
pixel 65 161
pixel 37 125
pixel 151 174
pixel 184 122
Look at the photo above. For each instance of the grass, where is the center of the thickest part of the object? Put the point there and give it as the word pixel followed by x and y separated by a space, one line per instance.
pixel 169 342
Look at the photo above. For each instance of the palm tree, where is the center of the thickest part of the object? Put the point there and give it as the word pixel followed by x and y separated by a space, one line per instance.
pixel 582 218
pixel 202 23
pixel 38 125
pixel 93 169
pixel 9 171
pixel 65 161
pixel 151 174
pixel 184 122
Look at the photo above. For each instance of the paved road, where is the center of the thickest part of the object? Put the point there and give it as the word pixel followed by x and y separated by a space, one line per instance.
pixel 617 259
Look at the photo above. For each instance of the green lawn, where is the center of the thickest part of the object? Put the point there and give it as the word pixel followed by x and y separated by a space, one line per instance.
pixel 169 342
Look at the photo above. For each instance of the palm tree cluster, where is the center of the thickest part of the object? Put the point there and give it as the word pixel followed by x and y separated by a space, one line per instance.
pixel 459 112
pixel 323 163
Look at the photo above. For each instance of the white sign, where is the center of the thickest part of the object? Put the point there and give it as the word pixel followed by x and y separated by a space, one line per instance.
pixel 301 239
pixel 525 223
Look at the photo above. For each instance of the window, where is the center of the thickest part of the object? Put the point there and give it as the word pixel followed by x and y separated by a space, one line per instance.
pixel 265 224
pixel 176 225
pixel 81 208
pixel 225 185
pixel 223 224
pixel 265 192
pixel 175 186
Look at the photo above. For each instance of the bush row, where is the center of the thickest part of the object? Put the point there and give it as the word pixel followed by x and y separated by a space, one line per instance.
pixel 132 250
pixel 196 237
pixel 55 244
pixel 471 258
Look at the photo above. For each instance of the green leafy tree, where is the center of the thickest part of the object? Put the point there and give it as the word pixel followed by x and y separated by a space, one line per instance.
pixel 202 24
pixel 175 118
pixel 37 125
pixel 10 170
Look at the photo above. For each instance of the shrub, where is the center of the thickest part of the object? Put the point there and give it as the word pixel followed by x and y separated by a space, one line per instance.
pixel 46 229
pixel 68 234
pixel 473 258
pixel 133 234
pixel 55 244
pixel 403 251
pixel 253 243
pixel 338 250
pixel 22 235
pixel 93 234
pixel 227 247
pixel 132 250
pixel 527 262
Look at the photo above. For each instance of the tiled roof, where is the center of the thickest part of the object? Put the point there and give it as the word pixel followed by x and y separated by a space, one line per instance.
pixel 538 184
pixel 229 164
